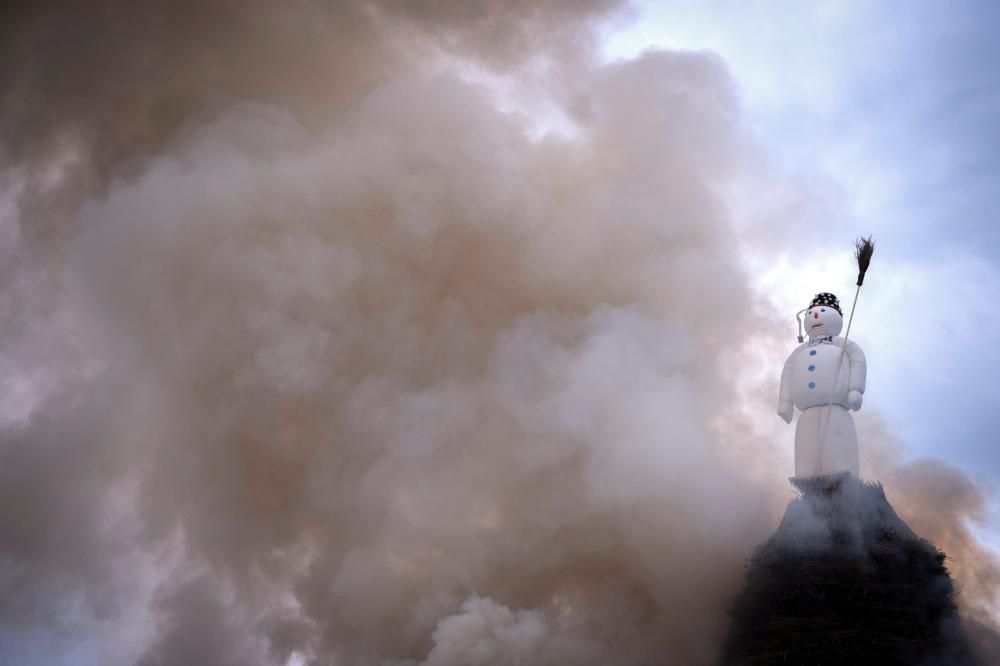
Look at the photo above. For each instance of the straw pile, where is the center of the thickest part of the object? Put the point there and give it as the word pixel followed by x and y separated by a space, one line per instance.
pixel 845 581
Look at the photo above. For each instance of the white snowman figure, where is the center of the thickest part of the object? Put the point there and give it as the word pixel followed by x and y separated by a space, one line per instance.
pixel 824 379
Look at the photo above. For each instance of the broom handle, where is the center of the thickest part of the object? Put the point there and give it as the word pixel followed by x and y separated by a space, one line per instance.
pixel 836 380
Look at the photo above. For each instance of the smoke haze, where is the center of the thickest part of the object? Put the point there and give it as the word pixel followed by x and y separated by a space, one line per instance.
pixel 320 348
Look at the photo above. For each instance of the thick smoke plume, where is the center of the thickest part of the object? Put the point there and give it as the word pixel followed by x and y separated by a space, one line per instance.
pixel 317 351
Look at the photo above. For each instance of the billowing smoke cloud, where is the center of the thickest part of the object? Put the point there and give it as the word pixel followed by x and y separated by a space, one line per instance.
pixel 321 357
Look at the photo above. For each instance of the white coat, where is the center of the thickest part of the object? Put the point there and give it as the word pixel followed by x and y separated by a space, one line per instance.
pixel 809 380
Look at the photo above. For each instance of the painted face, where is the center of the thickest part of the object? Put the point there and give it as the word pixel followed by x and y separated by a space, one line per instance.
pixel 822 320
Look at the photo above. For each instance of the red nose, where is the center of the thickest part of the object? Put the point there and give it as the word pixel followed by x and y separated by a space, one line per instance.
pixel 815 315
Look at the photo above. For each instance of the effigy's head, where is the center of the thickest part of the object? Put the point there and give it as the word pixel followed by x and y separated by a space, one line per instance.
pixel 824 316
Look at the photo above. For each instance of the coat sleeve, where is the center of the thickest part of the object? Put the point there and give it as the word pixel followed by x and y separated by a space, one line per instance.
pixel 859 367
pixel 785 388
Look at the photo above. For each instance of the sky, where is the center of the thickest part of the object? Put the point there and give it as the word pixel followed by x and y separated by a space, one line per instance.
pixel 893 106
pixel 440 334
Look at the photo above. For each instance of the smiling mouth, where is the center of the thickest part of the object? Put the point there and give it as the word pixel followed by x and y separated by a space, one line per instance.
pixel 814 326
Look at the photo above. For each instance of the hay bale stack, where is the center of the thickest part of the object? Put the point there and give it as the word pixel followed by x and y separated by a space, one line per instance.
pixel 845 581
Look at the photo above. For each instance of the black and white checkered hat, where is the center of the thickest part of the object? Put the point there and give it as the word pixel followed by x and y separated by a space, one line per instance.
pixel 828 300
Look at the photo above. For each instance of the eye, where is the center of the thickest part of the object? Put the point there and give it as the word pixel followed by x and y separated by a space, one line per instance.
pixel 822 309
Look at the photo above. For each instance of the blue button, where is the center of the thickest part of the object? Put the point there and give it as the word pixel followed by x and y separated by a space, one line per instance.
pixel 812 384
pixel 812 368
pixel 812 353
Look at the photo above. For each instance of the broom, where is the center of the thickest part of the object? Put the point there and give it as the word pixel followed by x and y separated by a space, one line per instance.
pixel 863 250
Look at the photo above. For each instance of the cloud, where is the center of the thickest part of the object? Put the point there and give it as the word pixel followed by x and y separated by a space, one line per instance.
pixel 347 365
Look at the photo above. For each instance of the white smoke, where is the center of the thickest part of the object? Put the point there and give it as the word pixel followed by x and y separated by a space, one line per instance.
pixel 407 383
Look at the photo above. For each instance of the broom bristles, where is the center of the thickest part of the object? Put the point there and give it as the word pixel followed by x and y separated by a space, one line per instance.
pixel 864 248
